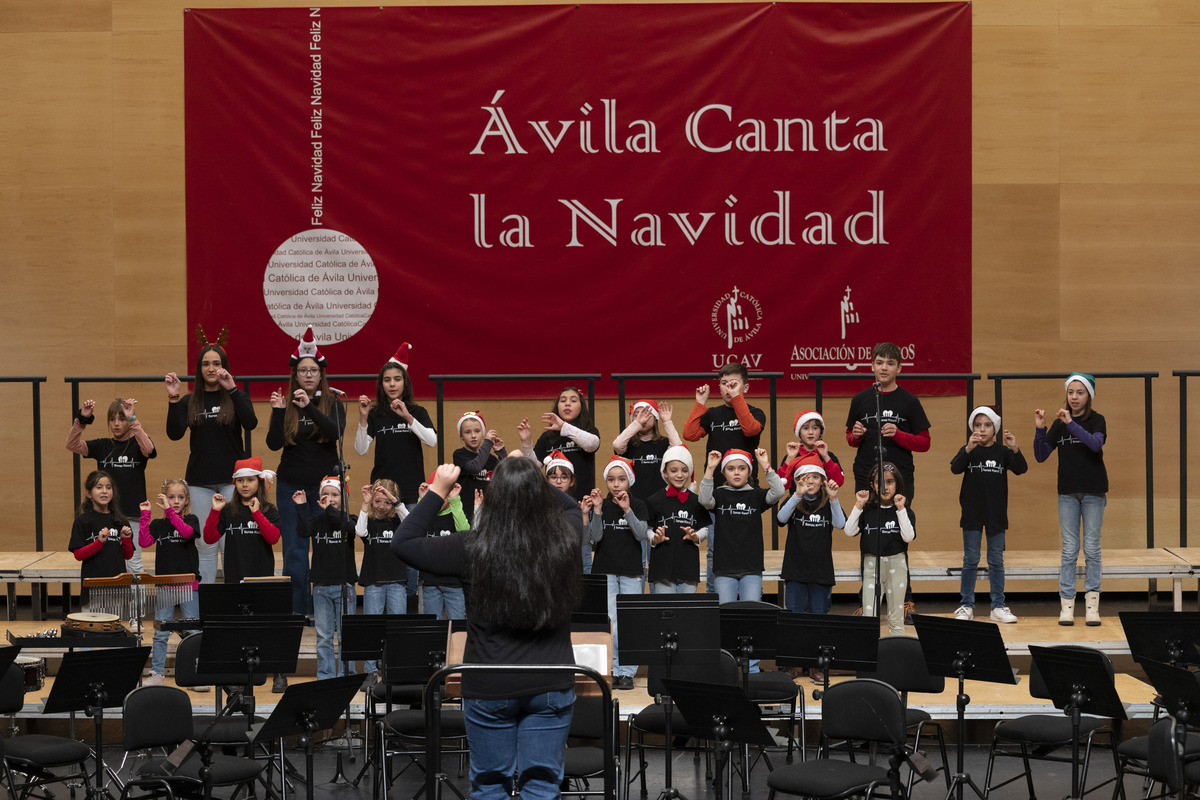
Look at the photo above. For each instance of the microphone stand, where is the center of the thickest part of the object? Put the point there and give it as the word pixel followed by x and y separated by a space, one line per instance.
pixel 879 462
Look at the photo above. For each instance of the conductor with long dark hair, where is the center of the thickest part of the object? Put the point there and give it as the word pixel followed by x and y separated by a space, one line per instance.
pixel 520 570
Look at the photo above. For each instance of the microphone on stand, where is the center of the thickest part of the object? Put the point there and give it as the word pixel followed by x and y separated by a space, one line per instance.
pixel 340 393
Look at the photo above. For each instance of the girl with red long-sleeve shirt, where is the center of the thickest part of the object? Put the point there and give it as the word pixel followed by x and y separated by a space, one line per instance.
pixel 249 523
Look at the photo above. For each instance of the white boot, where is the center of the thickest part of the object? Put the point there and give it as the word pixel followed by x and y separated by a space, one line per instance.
pixel 1067 615
pixel 1092 608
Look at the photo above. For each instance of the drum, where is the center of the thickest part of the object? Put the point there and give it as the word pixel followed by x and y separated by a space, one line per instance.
pixel 34 670
pixel 93 621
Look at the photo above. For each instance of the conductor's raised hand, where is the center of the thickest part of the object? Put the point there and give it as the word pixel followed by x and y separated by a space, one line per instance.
pixel 444 478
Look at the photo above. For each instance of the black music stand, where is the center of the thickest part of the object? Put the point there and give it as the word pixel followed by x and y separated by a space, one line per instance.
pixel 363 637
pixel 245 599
pixel 750 633
pixel 667 629
pixel 962 649
pixel 1167 636
pixel 1180 692
pixel 92 681
pixel 592 614
pixel 733 717
pixel 825 641
pixel 7 656
pixel 1079 682
pixel 305 709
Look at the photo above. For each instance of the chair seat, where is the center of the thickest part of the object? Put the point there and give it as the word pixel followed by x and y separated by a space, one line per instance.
pixel 1138 747
pixel 772 687
pixel 42 750
pixel 915 716
pixel 825 777
pixel 653 719
pixel 411 722
pixel 1045 729
pixel 580 762
pixel 228 730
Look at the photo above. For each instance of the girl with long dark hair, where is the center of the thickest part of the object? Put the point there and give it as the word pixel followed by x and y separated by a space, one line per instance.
pixel 520 570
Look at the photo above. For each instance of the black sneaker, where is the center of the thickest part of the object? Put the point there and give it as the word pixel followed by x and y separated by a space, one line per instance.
pixel 623 682
pixel 280 684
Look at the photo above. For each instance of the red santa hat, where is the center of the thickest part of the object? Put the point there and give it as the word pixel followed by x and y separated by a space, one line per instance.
pixel 736 455
pixel 677 453
pixel 401 356
pixel 557 459
pixel 650 404
pixel 808 464
pixel 331 480
pixel 622 463
pixel 989 412
pixel 805 416
pixel 307 349
pixel 466 415
pixel 252 468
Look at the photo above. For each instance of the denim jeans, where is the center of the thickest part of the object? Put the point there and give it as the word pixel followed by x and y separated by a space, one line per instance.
pixel 165 613
pixel 995 562
pixel 201 499
pixel 667 587
pixel 585 553
pixel 384 598
pixel 710 584
pixel 1072 510
pixel 748 587
pixel 524 736
pixel 295 548
pixel 435 599
pixel 807 598
pixel 329 604
pixel 620 584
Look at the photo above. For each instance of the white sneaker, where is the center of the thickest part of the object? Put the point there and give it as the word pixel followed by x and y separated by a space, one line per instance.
pixel 153 679
pixel 965 613
pixel 1002 614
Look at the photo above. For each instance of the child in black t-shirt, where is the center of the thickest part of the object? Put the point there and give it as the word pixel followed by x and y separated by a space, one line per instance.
pixel 984 462
pixel 174 538
pixel 123 457
pixel 383 574
pixel 644 444
pixel 332 571
pixel 101 537
pixel 1079 434
pixel 679 524
pixel 887 526
pixel 249 523
pixel 810 514
pixel 477 458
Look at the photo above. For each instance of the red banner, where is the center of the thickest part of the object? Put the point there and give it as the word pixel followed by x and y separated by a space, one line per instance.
pixel 595 189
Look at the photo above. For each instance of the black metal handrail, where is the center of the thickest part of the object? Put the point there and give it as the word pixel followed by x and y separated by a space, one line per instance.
pixel 433 739
pixel 438 380
pixel 35 381
pixel 1183 375
pixel 772 413
pixel 999 377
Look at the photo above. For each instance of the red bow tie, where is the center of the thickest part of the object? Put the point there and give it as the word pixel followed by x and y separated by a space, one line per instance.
pixel 682 495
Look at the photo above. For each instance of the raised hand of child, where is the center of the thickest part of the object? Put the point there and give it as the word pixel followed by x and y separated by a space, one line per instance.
pixel 597 500
pixel 127 405
pixel 822 449
pixel 525 433
pixel 391 498
pixel 144 505
pixel 702 394
pixel 764 463
pixel 497 442
pixel 622 500
pixel 455 492
pixel 400 408
pixel 364 406
pixel 103 534
pixel 172 382
pixel 861 498
pixel 664 411
pixel 300 398
pixel 126 532
pixel 659 536
pixel 218 501
pixel 793 450
pixel 831 489
pixel 1063 415
pixel 88 408
pixel 900 500
pixel 300 498
pixel 478 498
pixel 422 490
pixel 1010 441
pixel 367 493
pixel 277 400
pixel 859 430
pixel 973 441
pixel 1039 418
pixel 691 535
pixel 888 430
pixel 162 501
pixel 323 500
pixel 713 459
pixel 552 421
pixel 254 505
pixel 225 380
pixel 585 506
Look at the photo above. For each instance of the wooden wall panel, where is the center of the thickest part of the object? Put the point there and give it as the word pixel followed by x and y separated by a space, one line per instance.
pixel 1087 186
